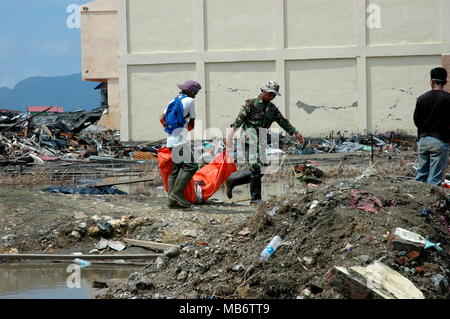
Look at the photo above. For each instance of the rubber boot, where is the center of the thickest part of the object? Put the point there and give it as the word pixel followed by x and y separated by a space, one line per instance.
pixel 171 203
pixel 177 194
pixel 255 190
pixel 236 179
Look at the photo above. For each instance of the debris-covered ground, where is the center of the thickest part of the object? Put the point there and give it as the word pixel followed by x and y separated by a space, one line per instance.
pixel 321 228
pixel 331 217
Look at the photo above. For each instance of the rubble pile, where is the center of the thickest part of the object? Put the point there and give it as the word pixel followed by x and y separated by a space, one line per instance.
pixel 388 144
pixel 74 232
pixel 62 142
pixel 369 237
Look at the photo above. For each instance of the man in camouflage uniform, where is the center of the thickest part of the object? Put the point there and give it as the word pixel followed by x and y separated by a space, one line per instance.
pixel 257 114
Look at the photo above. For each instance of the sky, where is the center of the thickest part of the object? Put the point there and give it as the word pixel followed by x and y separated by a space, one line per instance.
pixel 38 38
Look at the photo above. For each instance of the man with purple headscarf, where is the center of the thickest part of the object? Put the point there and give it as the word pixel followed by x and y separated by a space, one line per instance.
pixel 184 166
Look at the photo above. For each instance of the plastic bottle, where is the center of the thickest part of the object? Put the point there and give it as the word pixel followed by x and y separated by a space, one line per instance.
pixel 271 248
pixel 82 262
pixel 273 211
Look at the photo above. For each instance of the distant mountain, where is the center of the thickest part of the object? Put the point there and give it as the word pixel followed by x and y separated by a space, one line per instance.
pixel 69 92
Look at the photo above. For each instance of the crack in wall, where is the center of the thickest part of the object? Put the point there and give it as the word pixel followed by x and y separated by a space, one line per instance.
pixel 311 108
pixel 237 90
pixel 405 91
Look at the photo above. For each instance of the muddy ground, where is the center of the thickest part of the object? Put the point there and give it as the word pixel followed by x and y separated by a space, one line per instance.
pixel 221 242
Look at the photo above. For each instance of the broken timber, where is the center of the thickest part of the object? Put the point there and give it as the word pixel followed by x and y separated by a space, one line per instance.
pixel 121 182
pixel 71 257
pixel 149 244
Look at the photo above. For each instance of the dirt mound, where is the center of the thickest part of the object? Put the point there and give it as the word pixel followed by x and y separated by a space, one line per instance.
pixel 344 224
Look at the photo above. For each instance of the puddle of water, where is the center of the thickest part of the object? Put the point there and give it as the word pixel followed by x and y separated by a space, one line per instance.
pixel 49 280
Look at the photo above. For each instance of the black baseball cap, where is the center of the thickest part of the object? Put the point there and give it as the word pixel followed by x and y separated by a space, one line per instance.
pixel 439 75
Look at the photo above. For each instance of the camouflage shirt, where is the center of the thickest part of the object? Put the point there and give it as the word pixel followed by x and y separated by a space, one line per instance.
pixel 256 113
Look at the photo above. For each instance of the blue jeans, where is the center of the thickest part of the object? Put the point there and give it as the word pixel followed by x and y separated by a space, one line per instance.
pixel 433 160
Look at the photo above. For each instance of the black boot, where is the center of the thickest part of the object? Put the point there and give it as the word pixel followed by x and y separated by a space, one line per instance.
pixel 236 179
pixel 255 189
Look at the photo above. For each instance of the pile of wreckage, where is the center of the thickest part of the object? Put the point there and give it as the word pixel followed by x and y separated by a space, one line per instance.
pixel 72 147
pixel 44 137
pixel 69 145
pixel 386 143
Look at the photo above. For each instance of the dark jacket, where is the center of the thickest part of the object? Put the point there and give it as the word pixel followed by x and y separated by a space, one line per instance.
pixel 432 115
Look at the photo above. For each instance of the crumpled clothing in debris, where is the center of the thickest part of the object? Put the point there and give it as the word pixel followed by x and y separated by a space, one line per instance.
pixel 364 201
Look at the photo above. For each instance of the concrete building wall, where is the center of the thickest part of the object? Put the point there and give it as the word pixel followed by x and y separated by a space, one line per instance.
pixel 347 65
pixel 240 25
pixel 408 22
pixel 229 85
pixel 100 53
pixel 320 23
pixel 392 99
pixel 160 26
pixel 151 88
pixel 322 95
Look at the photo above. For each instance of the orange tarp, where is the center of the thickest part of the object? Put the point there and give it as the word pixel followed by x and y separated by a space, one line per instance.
pixel 213 174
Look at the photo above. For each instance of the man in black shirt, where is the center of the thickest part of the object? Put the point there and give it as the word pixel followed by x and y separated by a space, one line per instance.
pixel 432 118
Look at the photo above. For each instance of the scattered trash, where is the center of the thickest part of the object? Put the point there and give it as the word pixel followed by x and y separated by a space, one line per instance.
pixel 429 244
pixel 348 247
pixel 413 254
pixel 189 233
pixel 105 229
pixel 270 249
pixel 308 260
pixel 238 267
pixel 82 263
pixel 313 206
pixel 402 239
pixel 446 184
pixel 102 244
pixel 244 231
pixel 363 201
pixel 441 283
pixel 116 245
pixel 370 171
pixel 273 211
pixel 309 170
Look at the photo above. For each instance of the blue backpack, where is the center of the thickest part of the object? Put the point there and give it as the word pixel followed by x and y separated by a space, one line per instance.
pixel 174 114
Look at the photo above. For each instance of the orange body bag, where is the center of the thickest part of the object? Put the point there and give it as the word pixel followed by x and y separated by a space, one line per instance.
pixel 213 174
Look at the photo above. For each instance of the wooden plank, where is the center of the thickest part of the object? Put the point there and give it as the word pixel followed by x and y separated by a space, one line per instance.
pixel 85 257
pixel 121 182
pixel 149 244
